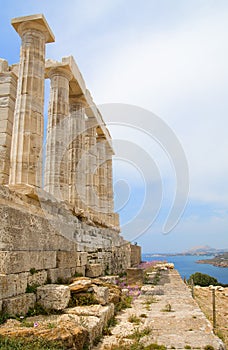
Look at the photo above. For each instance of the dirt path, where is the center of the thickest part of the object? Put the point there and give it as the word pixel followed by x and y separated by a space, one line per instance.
pixel 169 314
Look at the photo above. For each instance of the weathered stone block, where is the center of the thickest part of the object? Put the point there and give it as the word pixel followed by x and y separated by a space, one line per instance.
pixel 135 255
pixel 38 278
pixel 54 275
pixel 53 296
pixel 3 65
pixel 19 305
pixel 13 284
pixel 21 261
pixel 80 285
pixel 80 270
pixel 95 317
pixel 94 325
pixel 93 270
pixel 82 259
pixel 134 276
pixel 66 259
pixel 110 279
pixel 101 294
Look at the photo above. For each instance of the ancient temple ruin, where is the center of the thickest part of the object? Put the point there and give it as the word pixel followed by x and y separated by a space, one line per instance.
pixel 56 198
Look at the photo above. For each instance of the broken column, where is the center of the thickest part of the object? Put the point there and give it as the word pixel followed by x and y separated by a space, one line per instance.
pixel 56 175
pixel 8 88
pixel 27 136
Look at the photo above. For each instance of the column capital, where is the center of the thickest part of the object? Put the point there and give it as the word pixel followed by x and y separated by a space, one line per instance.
pixel 58 70
pixel 101 138
pixel 78 99
pixel 33 22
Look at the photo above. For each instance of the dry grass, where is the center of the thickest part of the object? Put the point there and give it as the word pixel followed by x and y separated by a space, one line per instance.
pixel 204 298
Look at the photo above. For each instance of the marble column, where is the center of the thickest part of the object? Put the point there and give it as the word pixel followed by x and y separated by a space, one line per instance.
pixel 76 153
pixel 91 164
pixel 8 87
pixel 109 184
pixel 102 171
pixel 56 174
pixel 27 135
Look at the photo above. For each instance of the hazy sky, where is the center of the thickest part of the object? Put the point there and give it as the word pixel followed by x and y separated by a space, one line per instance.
pixel 168 57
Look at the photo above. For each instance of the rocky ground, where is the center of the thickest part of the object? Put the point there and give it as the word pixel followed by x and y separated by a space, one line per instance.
pixel 165 314
pixel 162 316
pixel 203 296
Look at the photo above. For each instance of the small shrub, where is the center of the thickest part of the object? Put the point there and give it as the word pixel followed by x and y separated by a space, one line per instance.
pixel 134 319
pixel 78 274
pixel 150 300
pixel 122 274
pixel 29 344
pixel 137 334
pixel 52 325
pixel 33 271
pixel 220 334
pixel 187 347
pixel 124 303
pixel 82 300
pixel 143 315
pixel 209 347
pixel 48 280
pixel 4 317
pixel 111 323
pixel 202 279
pixel 61 280
pixel 167 308
pixel 155 347
pixel 27 324
pixel 36 310
pixel 31 288
pixel 97 340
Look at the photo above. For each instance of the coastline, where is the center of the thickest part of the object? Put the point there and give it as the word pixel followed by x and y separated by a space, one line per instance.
pixel 213 262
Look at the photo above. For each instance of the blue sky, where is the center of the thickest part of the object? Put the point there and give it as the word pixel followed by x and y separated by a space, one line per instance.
pixel 170 58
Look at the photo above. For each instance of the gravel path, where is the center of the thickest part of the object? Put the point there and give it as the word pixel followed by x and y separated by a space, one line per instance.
pixel 170 313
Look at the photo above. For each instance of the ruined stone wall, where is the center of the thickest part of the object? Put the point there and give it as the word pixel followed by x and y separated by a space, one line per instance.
pixel 135 255
pixel 44 242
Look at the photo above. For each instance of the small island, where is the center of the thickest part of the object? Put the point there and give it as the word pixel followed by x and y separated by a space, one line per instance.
pixel 220 260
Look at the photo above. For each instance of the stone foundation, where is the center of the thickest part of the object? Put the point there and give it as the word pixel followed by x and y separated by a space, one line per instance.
pixel 37 247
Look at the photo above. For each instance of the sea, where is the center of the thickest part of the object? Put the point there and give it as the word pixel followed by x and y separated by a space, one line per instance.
pixel 186 265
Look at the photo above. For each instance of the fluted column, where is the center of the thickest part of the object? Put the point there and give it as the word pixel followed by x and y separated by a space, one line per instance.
pixel 76 149
pixel 109 184
pixel 56 175
pixel 27 136
pixel 91 164
pixel 8 87
pixel 102 171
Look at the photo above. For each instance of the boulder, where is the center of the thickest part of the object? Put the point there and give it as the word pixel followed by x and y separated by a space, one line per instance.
pixel 53 296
